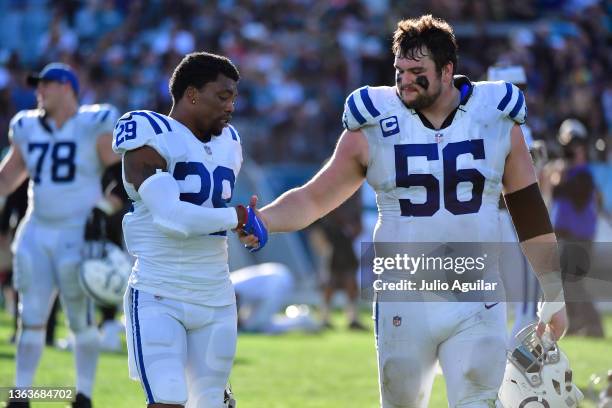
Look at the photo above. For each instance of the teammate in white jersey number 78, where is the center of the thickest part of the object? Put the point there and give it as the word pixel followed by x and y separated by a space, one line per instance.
pixel 63 148
pixel 179 170
pixel 437 149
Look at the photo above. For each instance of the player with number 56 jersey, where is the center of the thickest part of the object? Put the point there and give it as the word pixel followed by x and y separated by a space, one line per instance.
pixel 438 150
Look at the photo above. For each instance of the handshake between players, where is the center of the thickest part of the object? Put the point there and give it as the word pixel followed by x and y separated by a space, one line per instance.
pixel 251 229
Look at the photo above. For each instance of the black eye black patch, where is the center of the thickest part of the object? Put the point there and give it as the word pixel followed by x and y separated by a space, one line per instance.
pixel 422 81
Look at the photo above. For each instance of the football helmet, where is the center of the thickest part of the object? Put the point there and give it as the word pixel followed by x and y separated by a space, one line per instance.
pixel 537 374
pixel 104 272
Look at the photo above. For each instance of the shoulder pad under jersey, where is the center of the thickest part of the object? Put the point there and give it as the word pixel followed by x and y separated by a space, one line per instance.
pixel 366 105
pixel 507 98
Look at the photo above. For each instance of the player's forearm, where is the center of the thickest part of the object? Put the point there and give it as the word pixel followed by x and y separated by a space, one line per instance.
pixel 292 211
pixel 542 252
pixel 8 185
pixel 160 194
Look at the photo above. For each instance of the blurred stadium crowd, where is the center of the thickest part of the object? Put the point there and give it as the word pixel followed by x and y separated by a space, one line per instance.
pixel 300 58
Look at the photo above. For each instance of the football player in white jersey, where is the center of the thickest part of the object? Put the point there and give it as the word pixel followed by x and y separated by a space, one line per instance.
pixel 63 148
pixel 179 170
pixel 437 149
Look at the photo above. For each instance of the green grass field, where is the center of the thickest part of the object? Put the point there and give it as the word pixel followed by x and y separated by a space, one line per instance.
pixel 332 369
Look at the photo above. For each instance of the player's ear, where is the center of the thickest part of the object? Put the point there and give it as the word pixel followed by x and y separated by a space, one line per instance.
pixel 191 93
pixel 447 72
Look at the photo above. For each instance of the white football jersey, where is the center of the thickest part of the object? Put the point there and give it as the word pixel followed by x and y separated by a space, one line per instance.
pixel 63 164
pixel 194 269
pixel 437 185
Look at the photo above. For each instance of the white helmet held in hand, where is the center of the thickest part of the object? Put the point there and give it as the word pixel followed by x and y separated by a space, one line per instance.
pixel 104 272
pixel 537 375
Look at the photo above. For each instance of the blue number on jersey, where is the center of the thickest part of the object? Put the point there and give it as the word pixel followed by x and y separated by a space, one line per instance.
pixel 129 128
pixel 452 178
pixel 220 174
pixel 403 179
pixel 63 168
pixel 184 169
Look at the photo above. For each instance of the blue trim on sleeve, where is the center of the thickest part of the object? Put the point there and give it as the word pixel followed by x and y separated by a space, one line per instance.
pixel 365 97
pixel 504 102
pixel 518 105
pixel 152 121
pixel 139 345
pixel 355 111
pixel 164 121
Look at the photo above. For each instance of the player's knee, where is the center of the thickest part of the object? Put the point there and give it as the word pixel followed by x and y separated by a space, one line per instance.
pixel 162 374
pixel 207 398
pixel 169 390
pixel 34 314
pixel 32 336
pixel 401 387
pixel 166 381
pixel 68 277
pixel 486 364
pixel 87 339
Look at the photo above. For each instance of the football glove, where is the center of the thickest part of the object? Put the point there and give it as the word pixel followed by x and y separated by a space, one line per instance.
pixel 254 226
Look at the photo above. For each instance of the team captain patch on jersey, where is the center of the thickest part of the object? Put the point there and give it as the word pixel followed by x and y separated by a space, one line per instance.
pixel 205 173
pixel 62 162
pixel 422 176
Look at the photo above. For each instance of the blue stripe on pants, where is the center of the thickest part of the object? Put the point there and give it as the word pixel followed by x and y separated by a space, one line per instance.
pixel 143 374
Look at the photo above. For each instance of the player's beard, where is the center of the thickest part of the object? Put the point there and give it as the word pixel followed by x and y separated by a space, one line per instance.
pixel 425 101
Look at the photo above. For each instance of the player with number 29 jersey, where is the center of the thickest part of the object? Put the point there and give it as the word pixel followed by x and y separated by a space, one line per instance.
pixel 423 177
pixel 172 267
pixel 62 162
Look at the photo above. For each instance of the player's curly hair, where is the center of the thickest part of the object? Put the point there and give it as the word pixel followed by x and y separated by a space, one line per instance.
pixel 413 34
pixel 197 69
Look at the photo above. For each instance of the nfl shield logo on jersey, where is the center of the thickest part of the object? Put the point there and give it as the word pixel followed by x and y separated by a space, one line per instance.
pixel 207 149
pixel 397 321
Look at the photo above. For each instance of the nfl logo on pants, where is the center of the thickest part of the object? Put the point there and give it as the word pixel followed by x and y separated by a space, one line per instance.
pixel 397 321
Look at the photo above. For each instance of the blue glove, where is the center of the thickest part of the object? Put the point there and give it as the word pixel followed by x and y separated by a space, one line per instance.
pixel 254 226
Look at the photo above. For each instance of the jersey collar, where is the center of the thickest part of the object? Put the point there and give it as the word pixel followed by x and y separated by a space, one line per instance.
pixel 465 87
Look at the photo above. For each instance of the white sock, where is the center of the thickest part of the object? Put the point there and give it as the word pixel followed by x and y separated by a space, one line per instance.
pixel 29 349
pixel 86 349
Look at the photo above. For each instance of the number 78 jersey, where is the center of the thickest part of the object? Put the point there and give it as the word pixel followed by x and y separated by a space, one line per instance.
pixel 193 269
pixel 437 185
pixel 62 163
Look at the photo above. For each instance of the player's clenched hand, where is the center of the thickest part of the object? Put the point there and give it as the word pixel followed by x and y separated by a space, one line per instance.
pixel 555 322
